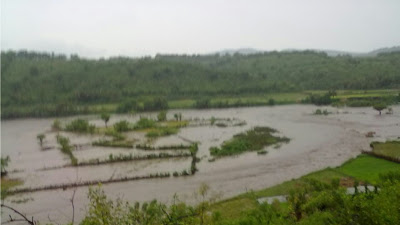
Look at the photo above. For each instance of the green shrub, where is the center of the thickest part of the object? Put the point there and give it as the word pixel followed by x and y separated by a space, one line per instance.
pixel 145 123
pixel 66 148
pixel 162 116
pixel 162 131
pixel 80 125
pixel 122 126
pixel 56 125
pixel 115 134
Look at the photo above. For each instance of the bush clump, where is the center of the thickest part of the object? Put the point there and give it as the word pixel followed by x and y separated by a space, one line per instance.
pixel 122 126
pixel 80 125
pixel 145 123
pixel 252 140
pixel 161 131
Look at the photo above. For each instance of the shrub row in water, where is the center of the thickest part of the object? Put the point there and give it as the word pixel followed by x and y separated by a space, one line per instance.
pixel 80 125
pixel 117 144
pixel 89 183
pixel 123 158
pixel 164 147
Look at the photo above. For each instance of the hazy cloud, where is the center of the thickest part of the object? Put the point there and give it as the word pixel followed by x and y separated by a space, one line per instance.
pixel 95 28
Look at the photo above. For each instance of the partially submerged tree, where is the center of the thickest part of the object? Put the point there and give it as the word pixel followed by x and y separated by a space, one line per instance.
pixel 4 163
pixel 379 107
pixel 41 137
pixel 162 116
pixel 180 116
pixel 105 117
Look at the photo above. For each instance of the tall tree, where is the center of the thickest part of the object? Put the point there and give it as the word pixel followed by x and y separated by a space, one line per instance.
pixel 379 107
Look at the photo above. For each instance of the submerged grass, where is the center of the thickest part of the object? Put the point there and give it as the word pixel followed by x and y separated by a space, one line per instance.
pixel 7 184
pixel 253 140
pixel 113 143
pixel 389 148
pixel 161 131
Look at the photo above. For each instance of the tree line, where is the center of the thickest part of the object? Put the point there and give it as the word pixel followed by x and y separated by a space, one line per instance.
pixel 46 82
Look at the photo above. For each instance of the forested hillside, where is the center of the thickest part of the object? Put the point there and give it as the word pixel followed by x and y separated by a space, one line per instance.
pixel 33 79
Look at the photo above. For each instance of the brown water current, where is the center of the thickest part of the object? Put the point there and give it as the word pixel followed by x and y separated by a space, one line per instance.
pixel 316 142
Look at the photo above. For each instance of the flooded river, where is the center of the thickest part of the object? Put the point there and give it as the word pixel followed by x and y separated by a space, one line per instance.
pixel 316 142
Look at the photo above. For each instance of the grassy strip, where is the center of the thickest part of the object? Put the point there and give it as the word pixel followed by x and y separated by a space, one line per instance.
pixel 117 144
pixel 349 97
pixel 161 131
pixel 252 140
pixel 388 148
pixel 120 158
pixel 165 147
pixel 367 168
pixel 378 155
pixel 7 184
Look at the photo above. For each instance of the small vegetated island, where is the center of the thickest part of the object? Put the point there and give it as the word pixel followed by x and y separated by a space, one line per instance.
pixel 252 140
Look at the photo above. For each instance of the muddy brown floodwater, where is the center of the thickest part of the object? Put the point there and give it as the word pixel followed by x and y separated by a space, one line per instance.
pixel 316 142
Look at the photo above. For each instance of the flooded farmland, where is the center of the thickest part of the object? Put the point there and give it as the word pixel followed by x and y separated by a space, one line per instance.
pixel 317 142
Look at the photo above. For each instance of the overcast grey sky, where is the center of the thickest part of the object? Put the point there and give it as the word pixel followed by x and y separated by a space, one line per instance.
pixel 95 28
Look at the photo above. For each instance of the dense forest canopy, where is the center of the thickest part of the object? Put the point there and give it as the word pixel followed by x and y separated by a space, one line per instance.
pixel 34 78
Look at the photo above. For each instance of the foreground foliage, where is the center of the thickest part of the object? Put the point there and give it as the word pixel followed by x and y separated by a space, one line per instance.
pixel 313 203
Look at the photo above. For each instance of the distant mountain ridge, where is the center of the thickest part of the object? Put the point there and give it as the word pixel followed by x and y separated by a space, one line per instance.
pixel 333 53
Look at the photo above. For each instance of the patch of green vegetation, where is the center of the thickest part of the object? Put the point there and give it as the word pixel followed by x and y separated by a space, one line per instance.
pixel 346 94
pixel 174 123
pixel 233 208
pixel 321 99
pixel 124 158
pixel 363 168
pixel 145 123
pixel 164 147
pixel 321 112
pixel 7 184
pixel 105 117
pixel 326 176
pixel 66 148
pixel 117 136
pixel 123 126
pixel 252 140
pixel 56 125
pixel 367 168
pixel 80 125
pixel 389 148
pixel 162 116
pixel 114 143
pixel 181 103
pixel 155 129
pixel 161 131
